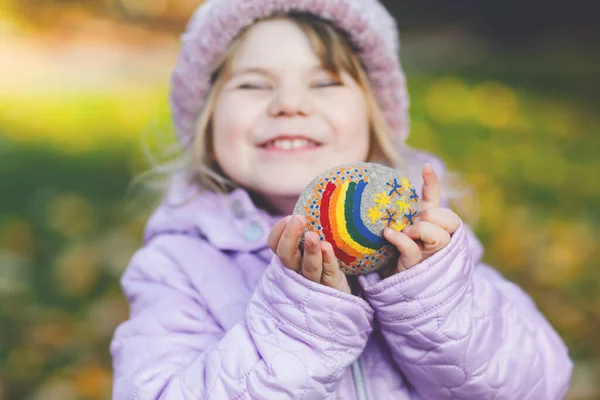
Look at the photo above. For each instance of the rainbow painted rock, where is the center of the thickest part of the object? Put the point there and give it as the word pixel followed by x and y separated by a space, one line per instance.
pixel 350 206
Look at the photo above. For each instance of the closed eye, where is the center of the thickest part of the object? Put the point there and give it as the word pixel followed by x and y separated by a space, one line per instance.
pixel 254 86
pixel 326 83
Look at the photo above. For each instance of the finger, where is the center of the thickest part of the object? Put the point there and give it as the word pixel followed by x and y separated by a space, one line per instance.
pixel 410 253
pixel 332 274
pixel 433 237
pixel 312 262
pixel 442 217
pixel 431 192
pixel 276 232
pixel 287 249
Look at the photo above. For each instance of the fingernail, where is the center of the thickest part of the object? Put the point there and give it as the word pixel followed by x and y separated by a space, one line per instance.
pixel 297 220
pixel 388 231
pixel 287 219
pixel 308 243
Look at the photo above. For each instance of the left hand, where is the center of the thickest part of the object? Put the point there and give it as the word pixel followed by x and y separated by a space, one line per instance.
pixel 431 231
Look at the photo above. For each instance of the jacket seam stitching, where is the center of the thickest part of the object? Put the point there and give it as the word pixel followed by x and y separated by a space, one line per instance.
pixel 460 291
pixel 455 249
pixel 264 300
pixel 354 300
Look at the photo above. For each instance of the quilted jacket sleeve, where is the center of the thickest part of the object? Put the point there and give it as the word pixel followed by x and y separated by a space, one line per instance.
pixel 458 330
pixel 295 341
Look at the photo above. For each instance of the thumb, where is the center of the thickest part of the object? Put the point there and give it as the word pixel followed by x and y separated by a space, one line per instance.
pixel 332 274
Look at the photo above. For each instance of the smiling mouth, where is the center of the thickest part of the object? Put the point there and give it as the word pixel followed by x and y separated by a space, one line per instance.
pixel 290 144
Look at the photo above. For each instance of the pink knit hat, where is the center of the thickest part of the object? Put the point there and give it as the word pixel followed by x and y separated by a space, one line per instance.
pixel 217 22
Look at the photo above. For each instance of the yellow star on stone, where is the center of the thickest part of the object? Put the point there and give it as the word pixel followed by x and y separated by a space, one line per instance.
pixel 374 214
pixel 403 205
pixel 382 199
pixel 398 226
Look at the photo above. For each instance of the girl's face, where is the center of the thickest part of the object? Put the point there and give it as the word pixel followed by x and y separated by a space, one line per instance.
pixel 281 119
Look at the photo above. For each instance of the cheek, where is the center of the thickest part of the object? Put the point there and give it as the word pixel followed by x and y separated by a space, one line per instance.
pixel 232 122
pixel 226 131
pixel 225 123
pixel 350 119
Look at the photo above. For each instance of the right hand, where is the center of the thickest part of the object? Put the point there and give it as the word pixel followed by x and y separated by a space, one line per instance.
pixel 319 263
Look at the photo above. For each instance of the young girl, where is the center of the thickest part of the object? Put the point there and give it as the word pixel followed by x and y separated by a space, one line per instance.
pixel 266 95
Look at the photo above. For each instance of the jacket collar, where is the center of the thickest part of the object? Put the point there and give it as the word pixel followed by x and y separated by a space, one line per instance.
pixel 230 222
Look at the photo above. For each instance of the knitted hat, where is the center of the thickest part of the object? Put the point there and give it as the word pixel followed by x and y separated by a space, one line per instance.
pixel 217 22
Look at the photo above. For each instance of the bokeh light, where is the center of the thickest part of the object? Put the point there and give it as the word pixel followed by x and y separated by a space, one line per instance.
pixel 449 100
pixel 145 7
pixel 495 104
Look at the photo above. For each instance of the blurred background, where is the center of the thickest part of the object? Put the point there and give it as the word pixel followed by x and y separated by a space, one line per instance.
pixel 506 92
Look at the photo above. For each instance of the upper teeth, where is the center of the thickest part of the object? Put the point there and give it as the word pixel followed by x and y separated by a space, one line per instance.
pixel 290 144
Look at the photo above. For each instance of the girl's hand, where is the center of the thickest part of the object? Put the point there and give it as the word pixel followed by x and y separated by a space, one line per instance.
pixel 319 263
pixel 431 231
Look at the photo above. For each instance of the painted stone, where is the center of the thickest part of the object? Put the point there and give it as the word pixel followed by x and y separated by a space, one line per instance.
pixel 349 206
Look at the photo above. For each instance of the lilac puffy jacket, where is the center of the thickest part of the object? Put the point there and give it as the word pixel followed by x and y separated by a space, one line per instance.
pixel 214 315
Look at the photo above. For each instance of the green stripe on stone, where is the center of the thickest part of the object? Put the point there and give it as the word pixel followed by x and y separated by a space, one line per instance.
pixel 349 217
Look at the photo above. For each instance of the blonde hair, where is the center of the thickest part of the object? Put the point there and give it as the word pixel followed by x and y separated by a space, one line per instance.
pixel 337 54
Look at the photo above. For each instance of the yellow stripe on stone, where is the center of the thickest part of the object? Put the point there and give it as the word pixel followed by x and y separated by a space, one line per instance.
pixel 341 222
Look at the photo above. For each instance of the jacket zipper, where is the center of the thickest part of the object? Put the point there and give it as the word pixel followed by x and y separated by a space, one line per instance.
pixel 357 372
pixel 359 380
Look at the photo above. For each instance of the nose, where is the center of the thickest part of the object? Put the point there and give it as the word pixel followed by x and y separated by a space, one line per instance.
pixel 290 100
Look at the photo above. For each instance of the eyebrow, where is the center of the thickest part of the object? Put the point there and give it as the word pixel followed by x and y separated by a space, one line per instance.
pixel 267 72
pixel 252 70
